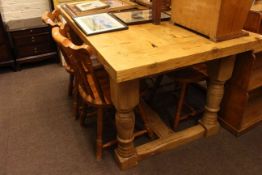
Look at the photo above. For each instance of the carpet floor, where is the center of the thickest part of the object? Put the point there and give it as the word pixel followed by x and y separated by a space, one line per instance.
pixel 39 136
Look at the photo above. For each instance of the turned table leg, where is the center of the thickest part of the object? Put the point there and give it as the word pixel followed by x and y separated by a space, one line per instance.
pixel 125 96
pixel 219 72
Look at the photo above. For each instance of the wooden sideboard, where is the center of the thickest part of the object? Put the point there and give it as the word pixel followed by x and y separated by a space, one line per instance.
pixel 6 57
pixel 242 104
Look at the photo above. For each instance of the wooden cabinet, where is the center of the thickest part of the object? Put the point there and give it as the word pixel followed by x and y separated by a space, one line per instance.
pixel 31 40
pixel 5 51
pixel 242 104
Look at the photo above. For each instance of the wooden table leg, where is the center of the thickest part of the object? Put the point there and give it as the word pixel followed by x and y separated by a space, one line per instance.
pixel 219 72
pixel 125 96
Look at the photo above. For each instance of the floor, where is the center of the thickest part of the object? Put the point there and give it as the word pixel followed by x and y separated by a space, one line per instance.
pixel 39 136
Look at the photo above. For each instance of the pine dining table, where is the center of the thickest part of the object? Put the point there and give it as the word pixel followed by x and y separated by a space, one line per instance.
pixel 145 50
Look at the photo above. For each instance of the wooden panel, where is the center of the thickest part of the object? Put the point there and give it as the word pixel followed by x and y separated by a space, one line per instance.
pixel 253 22
pixel 258 63
pixel 29 32
pixel 226 22
pixel 253 112
pixel 236 95
pixel 255 79
pixel 34 39
pixel 241 107
pixel 187 13
pixel 243 71
pixel 34 50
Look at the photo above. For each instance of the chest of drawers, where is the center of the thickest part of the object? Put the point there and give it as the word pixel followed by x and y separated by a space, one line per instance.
pixel 31 41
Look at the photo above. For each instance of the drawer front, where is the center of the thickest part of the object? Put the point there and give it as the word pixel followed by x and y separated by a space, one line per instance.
pixel 29 32
pixel 25 51
pixel 4 53
pixel 2 37
pixel 32 40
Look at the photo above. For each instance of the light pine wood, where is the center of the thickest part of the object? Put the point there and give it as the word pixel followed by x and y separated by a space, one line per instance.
pixel 219 71
pixel 147 49
pixel 125 96
pixel 257 6
pixel 170 142
pixel 155 123
pixel 150 54
pixel 52 18
pixel 218 19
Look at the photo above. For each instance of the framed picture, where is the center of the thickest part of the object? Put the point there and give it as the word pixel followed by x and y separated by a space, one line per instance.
pixel 112 5
pixel 91 5
pixel 99 23
pixel 54 3
pixel 138 16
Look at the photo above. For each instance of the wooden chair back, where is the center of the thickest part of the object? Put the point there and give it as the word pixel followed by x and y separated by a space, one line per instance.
pixel 52 18
pixel 63 31
pixel 79 57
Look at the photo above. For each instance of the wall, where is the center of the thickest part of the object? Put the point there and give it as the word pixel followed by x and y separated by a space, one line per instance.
pixel 22 9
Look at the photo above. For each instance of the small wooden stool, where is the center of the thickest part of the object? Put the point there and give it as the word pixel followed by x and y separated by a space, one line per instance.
pixel 183 78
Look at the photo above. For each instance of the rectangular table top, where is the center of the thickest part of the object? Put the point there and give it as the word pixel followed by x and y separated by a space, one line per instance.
pixel 148 49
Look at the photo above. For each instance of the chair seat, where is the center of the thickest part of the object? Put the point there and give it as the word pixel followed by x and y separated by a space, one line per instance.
pixel 103 78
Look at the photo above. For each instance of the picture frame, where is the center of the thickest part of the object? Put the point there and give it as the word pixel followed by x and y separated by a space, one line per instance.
pixel 91 5
pixel 99 23
pixel 54 3
pixel 138 16
pixel 114 5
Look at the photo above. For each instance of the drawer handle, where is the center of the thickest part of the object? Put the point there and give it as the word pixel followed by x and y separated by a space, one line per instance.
pixel 35 50
pixel 33 39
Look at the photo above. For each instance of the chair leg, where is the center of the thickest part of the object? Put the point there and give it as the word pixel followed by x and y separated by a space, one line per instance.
pixel 82 113
pixel 99 141
pixel 179 106
pixel 77 103
pixel 71 84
